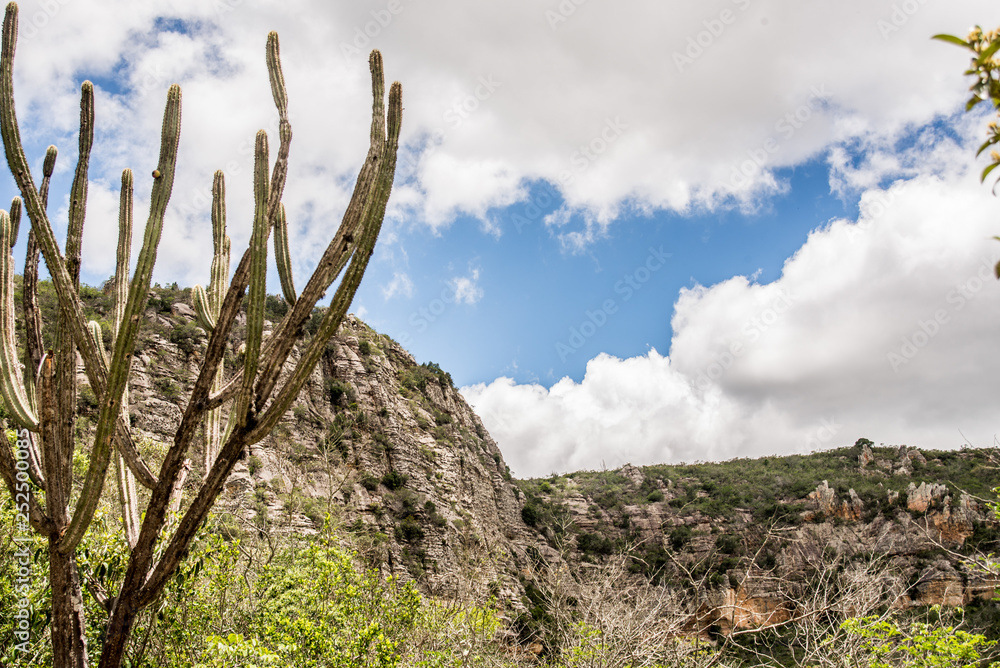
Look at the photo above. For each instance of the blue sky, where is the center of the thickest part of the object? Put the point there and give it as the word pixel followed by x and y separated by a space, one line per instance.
pixel 634 231
pixel 536 293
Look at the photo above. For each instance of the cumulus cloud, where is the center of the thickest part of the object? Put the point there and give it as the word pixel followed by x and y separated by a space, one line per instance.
pixel 399 285
pixel 882 327
pixel 466 289
pixel 609 105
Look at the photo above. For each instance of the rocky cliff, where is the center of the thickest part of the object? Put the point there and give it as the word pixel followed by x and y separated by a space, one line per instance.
pixel 389 451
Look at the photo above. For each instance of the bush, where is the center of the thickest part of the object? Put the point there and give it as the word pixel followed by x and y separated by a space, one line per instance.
pixel 254 464
pixel 186 336
pixel 409 531
pixel 593 543
pixel 275 308
pixel 530 515
pixel 393 480
pixel 336 390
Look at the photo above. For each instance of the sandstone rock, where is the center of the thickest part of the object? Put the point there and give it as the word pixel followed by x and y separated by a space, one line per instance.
pixel 634 474
pixel 921 498
pixel 182 310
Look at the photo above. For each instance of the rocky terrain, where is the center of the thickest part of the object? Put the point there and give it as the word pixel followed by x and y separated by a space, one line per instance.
pixel 388 450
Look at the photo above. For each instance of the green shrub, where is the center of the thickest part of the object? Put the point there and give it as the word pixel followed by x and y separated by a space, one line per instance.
pixel 393 480
pixel 530 515
pixel 409 531
pixel 594 544
pixel 186 336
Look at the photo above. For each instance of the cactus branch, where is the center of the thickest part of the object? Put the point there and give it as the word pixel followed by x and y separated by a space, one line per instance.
pixel 65 385
pixel 32 315
pixel 282 256
pixel 15 219
pixel 202 308
pixel 243 409
pixel 121 360
pixel 11 379
pixel 123 476
pixel 374 214
pixel 341 246
pixel 208 305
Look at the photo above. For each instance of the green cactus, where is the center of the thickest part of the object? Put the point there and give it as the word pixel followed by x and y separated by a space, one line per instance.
pixel 125 478
pixel 258 392
pixel 207 307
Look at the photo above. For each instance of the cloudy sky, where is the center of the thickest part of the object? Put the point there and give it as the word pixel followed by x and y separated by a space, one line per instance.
pixel 638 231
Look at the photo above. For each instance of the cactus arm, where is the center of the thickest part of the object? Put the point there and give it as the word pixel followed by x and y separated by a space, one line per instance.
pixel 94 328
pixel 11 380
pixel 15 220
pixel 282 257
pixel 78 192
pixel 342 244
pixel 211 304
pixel 123 476
pixel 65 349
pixel 69 301
pixel 121 359
pixel 243 408
pixel 280 171
pixel 33 348
pixel 219 279
pixel 372 223
pixel 202 308
pixel 124 252
pixel 57 460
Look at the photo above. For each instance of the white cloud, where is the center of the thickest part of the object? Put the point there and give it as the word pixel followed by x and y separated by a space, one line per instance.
pixel 399 285
pixel 597 106
pixel 465 289
pixel 882 328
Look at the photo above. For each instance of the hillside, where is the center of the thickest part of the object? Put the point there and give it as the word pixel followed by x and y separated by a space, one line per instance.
pixel 388 452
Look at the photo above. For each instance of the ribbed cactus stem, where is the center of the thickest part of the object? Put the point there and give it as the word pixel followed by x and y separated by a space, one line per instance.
pixel 78 192
pixel 208 305
pixel 280 171
pixel 15 219
pixel 275 75
pixel 121 359
pixel 15 396
pixel 29 285
pixel 202 308
pixel 97 335
pixel 123 476
pixel 282 256
pixel 124 253
pixel 219 281
pixel 257 288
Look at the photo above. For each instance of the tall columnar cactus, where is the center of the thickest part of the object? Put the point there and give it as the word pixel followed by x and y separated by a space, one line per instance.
pixel 258 394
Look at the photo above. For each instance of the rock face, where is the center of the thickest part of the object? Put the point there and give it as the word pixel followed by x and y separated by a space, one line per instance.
pixel 388 447
pixel 828 504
